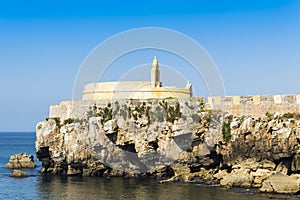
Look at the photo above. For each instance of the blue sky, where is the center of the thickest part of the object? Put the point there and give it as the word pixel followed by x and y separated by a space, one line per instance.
pixel 255 44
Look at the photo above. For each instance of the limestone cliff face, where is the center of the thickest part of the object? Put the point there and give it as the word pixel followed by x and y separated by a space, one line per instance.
pixel 263 153
pixel 132 138
pixel 177 139
pixel 275 138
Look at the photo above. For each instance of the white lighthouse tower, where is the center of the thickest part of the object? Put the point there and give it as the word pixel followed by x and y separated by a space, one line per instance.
pixel 155 74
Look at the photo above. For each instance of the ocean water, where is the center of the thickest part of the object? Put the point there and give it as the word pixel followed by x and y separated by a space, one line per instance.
pixel 38 186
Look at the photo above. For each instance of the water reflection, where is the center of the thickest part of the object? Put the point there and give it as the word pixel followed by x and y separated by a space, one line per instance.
pixel 62 187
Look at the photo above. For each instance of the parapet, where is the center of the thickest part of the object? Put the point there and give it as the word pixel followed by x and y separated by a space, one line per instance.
pixel 256 106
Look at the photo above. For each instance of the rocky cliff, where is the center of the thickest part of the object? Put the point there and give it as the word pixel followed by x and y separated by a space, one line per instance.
pixel 172 139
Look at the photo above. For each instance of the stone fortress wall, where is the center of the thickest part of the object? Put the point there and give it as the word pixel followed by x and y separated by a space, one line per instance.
pixel 254 106
pixel 131 90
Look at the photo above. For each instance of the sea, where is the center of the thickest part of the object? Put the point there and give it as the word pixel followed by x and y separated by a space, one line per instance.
pixel 41 186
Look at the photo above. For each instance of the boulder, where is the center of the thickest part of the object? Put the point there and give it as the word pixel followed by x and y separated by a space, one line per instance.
pixel 221 174
pixel 18 174
pixel 240 178
pixel 266 187
pixel 181 170
pixel 259 176
pixel 281 183
pixel 202 174
pixel 21 161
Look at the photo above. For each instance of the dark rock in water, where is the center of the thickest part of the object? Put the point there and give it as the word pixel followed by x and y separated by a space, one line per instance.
pixel 21 161
pixel 18 174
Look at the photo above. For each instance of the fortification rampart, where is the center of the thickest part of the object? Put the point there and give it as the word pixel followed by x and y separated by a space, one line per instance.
pixel 255 106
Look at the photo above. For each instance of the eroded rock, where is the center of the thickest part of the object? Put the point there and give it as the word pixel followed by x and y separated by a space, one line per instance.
pixel 18 174
pixel 174 140
pixel 239 178
pixel 281 183
pixel 21 161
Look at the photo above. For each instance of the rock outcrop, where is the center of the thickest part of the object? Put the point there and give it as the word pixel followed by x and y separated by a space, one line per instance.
pixel 172 140
pixel 281 183
pixel 125 139
pixel 262 152
pixel 18 174
pixel 21 161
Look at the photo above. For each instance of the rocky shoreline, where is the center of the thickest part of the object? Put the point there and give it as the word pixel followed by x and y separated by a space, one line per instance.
pixel 261 153
pixel 175 141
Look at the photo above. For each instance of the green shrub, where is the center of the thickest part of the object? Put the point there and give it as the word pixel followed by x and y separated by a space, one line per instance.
pixel 173 112
pixel 288 115
pixel 226 131
pixel 134 115
pixel 269 115
pixel 39 127
pixel 57 121
pixel 68 121
pixel 202 107
pixel 107 115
